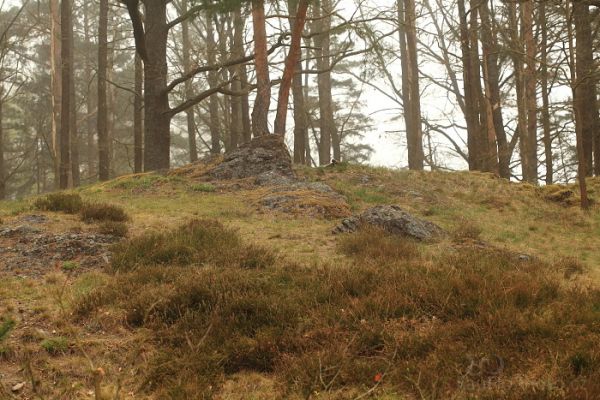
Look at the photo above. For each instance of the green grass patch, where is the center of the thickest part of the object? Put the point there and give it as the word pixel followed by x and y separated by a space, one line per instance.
pixel 203 187
pixel 56 345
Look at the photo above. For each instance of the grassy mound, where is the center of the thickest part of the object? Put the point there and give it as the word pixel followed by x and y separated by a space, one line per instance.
pixel 469 322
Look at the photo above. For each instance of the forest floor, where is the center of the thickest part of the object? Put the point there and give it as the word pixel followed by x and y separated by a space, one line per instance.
pixel 77 332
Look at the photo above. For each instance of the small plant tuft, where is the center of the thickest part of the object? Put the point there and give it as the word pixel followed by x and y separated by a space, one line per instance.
pixel 56 345
pixel 70 203
pixel 97 212
pixel 466 231
pixel 203 187
pixel 5 327
pixel 69 266
pixel 112 228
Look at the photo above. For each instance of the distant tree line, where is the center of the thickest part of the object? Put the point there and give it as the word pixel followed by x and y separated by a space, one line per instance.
pixel 89 91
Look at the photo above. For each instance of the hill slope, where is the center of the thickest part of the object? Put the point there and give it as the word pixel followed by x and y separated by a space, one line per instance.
pixel 268 304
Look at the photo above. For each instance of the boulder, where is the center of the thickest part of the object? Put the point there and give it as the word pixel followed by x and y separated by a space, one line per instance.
pixel 264 154
pixel 393 219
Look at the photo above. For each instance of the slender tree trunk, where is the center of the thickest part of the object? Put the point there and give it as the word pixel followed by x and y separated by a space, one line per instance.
pixel 586 83
pixel 67 76
pixel 213 101
pixel 471 103
pixel 578 106
pixel 75 173
pixel 327 128
pixel 186 49
pixel 89 76
pixel 499 150
pixel 545 95
pixel 239 23
pixel 138 129
pixel 300 124
pixel 260 113
pixel 102 117
pixel 55 65
pixel 529 133
pixel 237 132
pixel 3 173
pixel 157 119
pixel 410 84
pixel 291 64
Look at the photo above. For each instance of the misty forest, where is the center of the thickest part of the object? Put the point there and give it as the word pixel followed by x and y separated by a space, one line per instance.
pixel 299 199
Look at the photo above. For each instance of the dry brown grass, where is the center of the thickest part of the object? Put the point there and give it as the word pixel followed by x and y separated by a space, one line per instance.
pixel 472 322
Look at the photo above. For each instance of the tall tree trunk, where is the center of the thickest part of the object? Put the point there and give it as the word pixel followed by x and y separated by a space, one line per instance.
pixel 3 173
pixel 138 129
pixel 67 75
pixel 55 66
pixel 237 133
pixel 89 76
pixel 224 30
pixel 545 96
pixel 157 120
pixel 578 106
pixel 75 172
pixel 499 150
pixel 529 133
pixel 471 97
pixel 327 128
pixel 213 101
pixel 187 66
pixel 291 64
pixel 102 117
pixel 586 83
pixel 300 123
pixel 410 83
pixel 260 113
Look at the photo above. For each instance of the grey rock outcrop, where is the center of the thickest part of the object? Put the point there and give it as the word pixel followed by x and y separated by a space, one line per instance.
pixel 393 219
pixel 264 154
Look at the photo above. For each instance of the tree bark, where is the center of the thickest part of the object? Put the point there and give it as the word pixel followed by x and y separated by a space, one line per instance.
pixel 138 129
pixel 586 85
pixel 529 133
pixel 237 133
pixel 3 173
pixel 545 96
pixel 89 76
pixel 213 101
pixel 327 128
pixel 410 84
pixel 260 112
pixel 186 49
pixel 157 117
pixel 578 106
pixel 102 117
pixel 291 65
pixel 67 76
pixel 471 103
pixel 75 172
pixel 499 155
pixel 55 66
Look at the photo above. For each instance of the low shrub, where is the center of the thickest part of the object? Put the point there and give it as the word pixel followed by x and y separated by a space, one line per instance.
pixel 56 345
pixel 118 229
pixel 203 187
pixel 195 243
pixel 70 203
pixel 456 324
pixel 100 212
pixel 466 230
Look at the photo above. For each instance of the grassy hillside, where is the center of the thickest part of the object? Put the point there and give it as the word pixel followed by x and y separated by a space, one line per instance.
pixel 211 296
